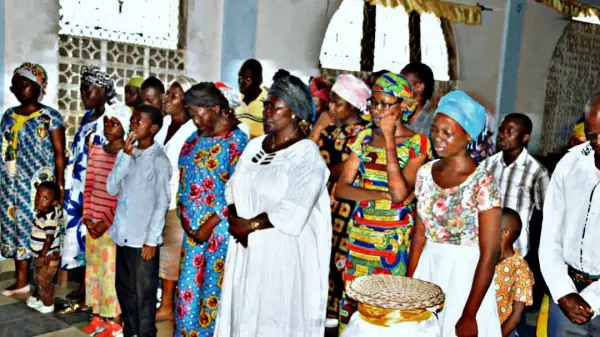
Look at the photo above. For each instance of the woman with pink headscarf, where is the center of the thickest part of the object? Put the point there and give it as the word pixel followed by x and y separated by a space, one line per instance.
pixel 332 132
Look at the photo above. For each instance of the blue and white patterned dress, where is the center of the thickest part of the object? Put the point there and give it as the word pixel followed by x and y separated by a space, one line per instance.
pixel 90 133
pixel 21 168
pixel 206 163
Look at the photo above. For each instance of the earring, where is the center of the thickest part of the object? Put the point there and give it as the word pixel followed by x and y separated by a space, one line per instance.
pixel 293 116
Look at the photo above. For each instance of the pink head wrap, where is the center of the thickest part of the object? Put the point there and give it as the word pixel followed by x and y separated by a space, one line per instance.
pixel 353 90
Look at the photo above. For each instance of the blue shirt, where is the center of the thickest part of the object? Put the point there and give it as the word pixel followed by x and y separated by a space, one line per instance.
pixel 142 183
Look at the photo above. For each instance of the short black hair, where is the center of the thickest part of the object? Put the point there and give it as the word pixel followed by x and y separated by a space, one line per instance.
pixel 380 73
pixel 514 224
pixel 524 120
pixel 154 83
pixel 254 66
pixel 52 186
pixel 155 114
pixel 424 74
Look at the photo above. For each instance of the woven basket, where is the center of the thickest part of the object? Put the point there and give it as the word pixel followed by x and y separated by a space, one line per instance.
pixel 395 292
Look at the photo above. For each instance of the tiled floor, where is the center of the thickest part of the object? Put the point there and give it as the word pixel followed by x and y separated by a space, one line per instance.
pixel 18 320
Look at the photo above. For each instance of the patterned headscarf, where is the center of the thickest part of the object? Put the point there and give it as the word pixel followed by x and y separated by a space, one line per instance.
pixel 466 111
pixel 185 82
pixel 135 81
pixel 352 90
pixel 35 73
pixel 95 76
pixel 233 96
pixel 397 86
pixel 296 95
pixel 320 88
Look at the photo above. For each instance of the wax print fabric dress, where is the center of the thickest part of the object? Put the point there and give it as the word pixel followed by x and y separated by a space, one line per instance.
pixel 90 133
pixel 379 233
pixel 206 163
pixel 27 159
pixel 334 149
pixel 451 253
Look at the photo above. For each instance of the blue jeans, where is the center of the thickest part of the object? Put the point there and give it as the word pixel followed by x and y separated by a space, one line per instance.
pixel 560 326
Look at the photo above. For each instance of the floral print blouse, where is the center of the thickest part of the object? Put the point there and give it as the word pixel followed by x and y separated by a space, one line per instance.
pixel 451 215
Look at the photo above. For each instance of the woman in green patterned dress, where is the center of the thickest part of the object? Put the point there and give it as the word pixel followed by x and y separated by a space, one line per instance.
pixel 386 158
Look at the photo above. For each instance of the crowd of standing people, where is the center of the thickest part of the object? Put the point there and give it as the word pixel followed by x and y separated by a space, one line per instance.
pixel 254 210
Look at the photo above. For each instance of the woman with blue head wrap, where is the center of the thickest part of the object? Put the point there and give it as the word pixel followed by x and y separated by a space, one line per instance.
pixel 385 158
pixel 456 242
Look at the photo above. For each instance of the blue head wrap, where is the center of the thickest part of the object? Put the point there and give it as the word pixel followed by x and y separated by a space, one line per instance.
pixel 466 111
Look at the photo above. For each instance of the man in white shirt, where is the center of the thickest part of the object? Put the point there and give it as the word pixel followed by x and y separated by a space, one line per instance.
pixel 570 242
pixel 523 180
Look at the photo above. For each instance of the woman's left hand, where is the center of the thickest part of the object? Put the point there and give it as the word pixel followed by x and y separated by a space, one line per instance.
pixel 239 228
pixel 466 326
pixel 388 124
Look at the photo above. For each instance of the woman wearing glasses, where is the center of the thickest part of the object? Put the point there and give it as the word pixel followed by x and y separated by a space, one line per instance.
pixel 386 158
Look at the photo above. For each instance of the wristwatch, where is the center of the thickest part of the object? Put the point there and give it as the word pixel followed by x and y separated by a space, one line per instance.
pixel 254 225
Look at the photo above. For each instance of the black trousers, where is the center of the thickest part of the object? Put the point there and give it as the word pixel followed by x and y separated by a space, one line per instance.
pixel 136 285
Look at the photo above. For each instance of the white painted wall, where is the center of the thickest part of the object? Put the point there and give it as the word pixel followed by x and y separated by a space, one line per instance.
pixel 31 35
pixel 38 43
pixel 542 28
pixel 204 39
pixel 290 33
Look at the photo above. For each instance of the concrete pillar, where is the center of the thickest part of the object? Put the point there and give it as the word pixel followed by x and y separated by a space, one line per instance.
pixel 509 58
pixel 238 37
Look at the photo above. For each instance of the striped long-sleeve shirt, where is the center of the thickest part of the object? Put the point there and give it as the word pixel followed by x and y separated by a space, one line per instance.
pixel 98 205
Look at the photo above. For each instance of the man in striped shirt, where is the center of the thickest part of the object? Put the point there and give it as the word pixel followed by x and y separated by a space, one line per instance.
pixel 523 180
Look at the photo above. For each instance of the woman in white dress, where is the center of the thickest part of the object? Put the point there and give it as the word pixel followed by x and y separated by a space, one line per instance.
pixel 277 265
pixel 456 240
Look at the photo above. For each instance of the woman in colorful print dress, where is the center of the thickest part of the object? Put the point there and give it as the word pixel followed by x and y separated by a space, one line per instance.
pixel 456 241
pixel 207 160
pixel 97 90
pixel 348 101
pixel 33 151
pixel 386 158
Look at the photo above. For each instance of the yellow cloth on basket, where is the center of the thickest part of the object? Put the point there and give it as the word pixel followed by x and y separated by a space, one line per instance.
pixel 389 317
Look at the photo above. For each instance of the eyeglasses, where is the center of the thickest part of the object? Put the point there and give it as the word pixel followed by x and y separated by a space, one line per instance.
pixel 374 104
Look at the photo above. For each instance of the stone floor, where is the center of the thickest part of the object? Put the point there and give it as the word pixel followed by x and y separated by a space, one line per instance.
pixel 18 320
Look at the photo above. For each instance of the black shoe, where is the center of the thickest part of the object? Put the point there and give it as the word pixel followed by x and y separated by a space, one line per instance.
pixel 76 295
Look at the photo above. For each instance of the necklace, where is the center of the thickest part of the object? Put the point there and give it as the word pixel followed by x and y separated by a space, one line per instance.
pixel 285 140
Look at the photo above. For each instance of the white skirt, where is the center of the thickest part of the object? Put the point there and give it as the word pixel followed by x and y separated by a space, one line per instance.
pixel 360 328
pixel 452 267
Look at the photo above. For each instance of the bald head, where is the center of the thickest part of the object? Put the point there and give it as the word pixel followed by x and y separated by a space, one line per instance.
pixel 593 104
pixel 511 221
pixel 592 122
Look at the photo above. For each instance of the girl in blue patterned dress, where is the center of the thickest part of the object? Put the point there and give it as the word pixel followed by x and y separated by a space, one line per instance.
pixel 33 143
pixel 207 160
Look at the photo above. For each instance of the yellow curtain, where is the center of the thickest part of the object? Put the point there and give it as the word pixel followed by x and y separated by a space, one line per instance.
pixel 468 14
pixel 571 7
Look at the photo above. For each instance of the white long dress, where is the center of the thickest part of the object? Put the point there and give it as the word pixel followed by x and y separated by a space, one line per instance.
pixel 278 285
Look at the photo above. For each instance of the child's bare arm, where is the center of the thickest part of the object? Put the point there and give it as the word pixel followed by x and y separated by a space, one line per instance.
pixel 47 245
pixel 514 319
